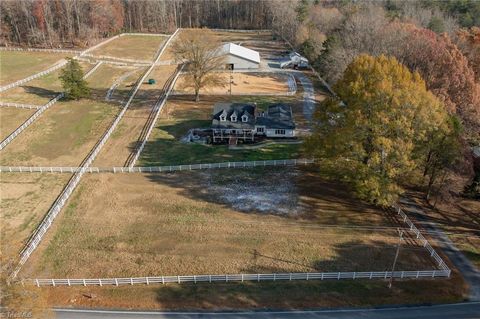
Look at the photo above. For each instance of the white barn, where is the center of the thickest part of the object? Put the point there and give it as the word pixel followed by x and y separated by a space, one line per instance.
pixel 240 58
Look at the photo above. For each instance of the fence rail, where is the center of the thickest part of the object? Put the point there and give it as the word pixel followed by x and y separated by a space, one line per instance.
pixel 39 112
pixel 241 278
pixel 19 105
pixel 40 50
pixel 57 206
pixel 443 272
pixel 155 169
pixel 108 57
pixel 19 82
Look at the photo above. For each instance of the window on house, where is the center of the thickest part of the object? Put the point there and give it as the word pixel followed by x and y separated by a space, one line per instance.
pixel 223 118
pixel 260 130
pixel 233 118
pixel 233 131
pixel 279 132
pixel 244 118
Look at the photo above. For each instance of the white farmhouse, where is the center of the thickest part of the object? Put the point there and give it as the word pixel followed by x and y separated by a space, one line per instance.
pixel 240 58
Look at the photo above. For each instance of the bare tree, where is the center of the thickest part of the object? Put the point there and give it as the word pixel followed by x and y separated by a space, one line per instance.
pixel 201 50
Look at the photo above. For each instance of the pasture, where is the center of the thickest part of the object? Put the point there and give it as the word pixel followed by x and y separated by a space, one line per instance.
pixel 138 47
pixel 17 65
pixel 222 221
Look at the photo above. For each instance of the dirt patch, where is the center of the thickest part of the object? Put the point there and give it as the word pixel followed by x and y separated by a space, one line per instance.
pixel 243 83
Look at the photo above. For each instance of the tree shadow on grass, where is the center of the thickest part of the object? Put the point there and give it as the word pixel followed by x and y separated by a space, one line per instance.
pixel 349 256
pixel 40 92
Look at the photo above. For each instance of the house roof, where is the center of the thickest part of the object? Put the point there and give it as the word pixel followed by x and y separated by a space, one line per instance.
pixel 278 116
pixel 233 108
pixel 241 52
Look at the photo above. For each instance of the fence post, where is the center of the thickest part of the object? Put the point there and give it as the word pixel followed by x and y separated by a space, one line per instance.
pixel 38 284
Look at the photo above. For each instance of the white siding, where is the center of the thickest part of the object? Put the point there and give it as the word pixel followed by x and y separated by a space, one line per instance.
pixel 239 63
pixel 272 133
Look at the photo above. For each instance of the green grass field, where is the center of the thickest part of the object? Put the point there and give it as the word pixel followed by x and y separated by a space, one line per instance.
pixel 17 65
pixel 180 114
pixel 11 118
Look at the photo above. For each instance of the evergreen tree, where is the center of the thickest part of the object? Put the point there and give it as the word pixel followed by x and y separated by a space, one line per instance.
pixel 74 86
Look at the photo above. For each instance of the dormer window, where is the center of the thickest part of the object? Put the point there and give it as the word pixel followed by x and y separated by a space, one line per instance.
pixel 223 118
pixel 233 118
pixel 244 118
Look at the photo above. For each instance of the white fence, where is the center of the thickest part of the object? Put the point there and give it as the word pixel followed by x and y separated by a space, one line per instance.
pixel 40 50
pixel 73 182
pixel 443 272
pixel 29 121
pixel 149 34
pixel 35 115
pixel 242 277
pixel 157 109
pixel 19 105
pixel 156 169
pixel 108 57
pixel 19 82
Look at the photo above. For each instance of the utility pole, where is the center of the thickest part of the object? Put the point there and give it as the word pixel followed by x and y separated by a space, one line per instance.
pixel 396 256
pixel 231 80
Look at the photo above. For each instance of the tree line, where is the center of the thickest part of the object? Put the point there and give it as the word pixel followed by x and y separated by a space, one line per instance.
pixel 68 23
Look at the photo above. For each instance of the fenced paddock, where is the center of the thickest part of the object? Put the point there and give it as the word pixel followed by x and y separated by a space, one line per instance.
pixel 47 221
pixel 442 272
pixel 157 169
pixel 420 274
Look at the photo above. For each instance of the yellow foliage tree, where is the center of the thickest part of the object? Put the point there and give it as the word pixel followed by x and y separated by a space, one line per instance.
pixel 377 130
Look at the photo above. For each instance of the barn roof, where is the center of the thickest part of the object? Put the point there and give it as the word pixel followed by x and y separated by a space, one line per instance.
pixel 241 52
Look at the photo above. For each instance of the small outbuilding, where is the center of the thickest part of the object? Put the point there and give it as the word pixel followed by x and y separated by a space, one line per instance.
pixel 239 58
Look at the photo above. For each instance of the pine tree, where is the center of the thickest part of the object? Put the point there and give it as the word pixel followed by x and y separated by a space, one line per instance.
pixel 74 86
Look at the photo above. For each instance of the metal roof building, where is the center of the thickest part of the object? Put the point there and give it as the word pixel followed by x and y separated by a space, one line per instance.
pixel 238 57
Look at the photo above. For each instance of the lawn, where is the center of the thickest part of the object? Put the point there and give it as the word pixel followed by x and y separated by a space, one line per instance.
pixel 235 221
pixel 132 47
pixel 38 91
pixel 17 65
pixel 181 114
pixel 62 136
pixel 11 118
pixel 24 200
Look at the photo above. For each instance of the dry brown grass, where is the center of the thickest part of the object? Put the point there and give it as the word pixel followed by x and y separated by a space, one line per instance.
pixel 40 90
pixel 137 225
pixel 243 83
pixel 116 151
pixel 24 200
pixel 11 118
pixel 132 47
pixel 17 65
pixel 62 136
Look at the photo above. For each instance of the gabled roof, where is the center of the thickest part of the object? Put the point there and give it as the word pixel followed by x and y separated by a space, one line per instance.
pixel 229 109
pixel 278 116
pixel 241 52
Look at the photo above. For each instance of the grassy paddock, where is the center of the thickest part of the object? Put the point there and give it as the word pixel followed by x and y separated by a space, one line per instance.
pixel 40 90
pixel 182 113
pixel 131 47
pixel 123 140
pixel 24 200
pixel 62 136
pixel 17 65
pixel 11 118
pixel 214 222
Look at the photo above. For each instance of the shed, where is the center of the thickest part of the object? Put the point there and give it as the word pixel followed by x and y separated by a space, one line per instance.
pixel 238 57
